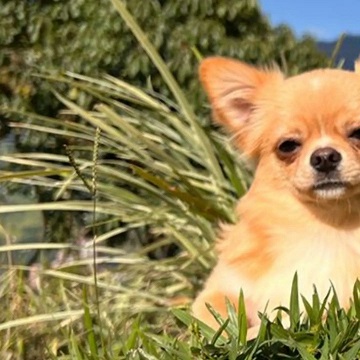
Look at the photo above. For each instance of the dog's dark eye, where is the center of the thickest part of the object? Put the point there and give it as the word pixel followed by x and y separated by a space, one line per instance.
pixel 355 134
pixel 288 147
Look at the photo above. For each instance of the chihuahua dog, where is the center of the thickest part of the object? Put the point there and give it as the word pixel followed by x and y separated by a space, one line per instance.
pixel 302 212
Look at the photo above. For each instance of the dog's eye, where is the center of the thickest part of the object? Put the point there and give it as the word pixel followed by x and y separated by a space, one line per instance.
pixel 288 147
pixel 355 134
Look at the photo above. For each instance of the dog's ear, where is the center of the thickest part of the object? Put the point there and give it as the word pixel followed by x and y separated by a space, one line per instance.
pixel 233 89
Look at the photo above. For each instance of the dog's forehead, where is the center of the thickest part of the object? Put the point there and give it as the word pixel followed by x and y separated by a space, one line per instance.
pixel 322 84
pixel 320 96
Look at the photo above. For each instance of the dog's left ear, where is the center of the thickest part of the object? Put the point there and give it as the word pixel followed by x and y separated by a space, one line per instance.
pixel 233 88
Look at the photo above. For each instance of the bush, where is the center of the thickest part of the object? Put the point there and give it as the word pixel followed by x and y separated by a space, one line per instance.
pixel 88 37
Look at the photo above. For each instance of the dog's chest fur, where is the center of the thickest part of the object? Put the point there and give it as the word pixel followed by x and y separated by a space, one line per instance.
pixel 320 255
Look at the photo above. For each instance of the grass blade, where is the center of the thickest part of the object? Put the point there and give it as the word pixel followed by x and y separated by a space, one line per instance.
pixel 212 162
pixel 294 304
pixel 89 326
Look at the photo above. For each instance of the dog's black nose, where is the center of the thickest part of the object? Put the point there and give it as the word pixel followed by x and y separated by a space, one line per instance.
pixel 325 159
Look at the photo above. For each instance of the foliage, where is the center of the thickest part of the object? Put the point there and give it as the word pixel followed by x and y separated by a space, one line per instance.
pixel 55 315
pixel 309 336
pixel 166 173
pixel 59 318
pixel 88 37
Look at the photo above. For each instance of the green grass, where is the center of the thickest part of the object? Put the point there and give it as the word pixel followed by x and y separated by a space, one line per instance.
pixel 173 176
pixel 60 319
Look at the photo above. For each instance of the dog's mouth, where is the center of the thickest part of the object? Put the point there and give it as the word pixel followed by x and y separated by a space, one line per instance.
pixel 330 185
pixel 330 189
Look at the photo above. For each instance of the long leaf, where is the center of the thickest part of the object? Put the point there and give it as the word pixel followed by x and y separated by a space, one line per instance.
pixel 174 87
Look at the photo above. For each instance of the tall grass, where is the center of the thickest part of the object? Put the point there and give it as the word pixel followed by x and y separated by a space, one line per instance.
pixel 170 174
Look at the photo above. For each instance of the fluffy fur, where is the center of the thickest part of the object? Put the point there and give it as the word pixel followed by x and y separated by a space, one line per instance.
pixel 302 212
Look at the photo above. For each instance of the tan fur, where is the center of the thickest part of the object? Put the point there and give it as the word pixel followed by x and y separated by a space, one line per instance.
pixel 284 224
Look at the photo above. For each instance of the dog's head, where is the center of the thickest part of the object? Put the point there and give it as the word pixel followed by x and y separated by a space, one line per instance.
pixel 304 131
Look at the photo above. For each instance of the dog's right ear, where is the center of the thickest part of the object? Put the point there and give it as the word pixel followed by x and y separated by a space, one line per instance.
pixel 233 89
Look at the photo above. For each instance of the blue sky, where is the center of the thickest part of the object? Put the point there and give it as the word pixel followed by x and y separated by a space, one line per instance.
pixel 325 19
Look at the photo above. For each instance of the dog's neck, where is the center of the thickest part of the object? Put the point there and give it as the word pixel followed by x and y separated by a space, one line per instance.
pixel 340 213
